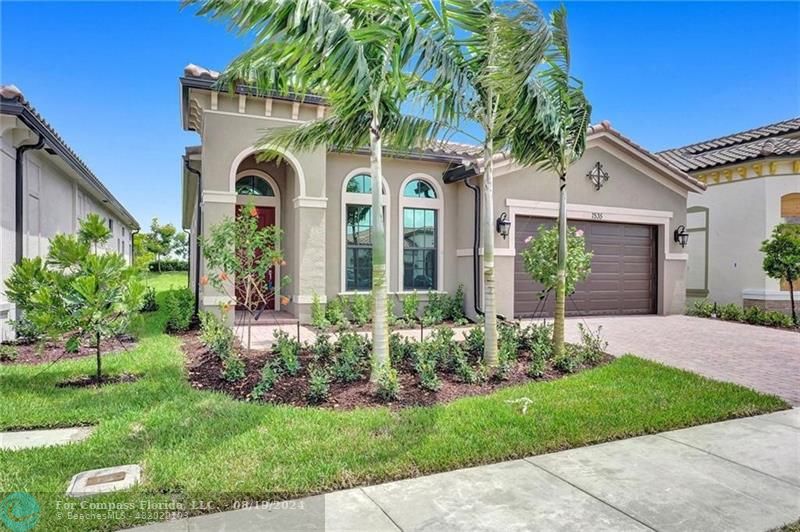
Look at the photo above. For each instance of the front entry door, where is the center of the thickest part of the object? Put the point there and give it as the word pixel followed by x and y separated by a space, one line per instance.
pixel 266 217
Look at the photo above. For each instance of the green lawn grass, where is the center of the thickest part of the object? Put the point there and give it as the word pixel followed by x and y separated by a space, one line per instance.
pixel 203 446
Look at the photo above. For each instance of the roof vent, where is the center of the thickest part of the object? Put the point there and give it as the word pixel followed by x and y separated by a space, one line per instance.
pixel 768 148
pixel 11 92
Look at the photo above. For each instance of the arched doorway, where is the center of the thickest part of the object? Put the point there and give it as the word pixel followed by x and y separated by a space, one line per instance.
pixel 257 189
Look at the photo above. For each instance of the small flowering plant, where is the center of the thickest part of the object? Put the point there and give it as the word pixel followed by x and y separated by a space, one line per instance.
pixel 541 254
pixel 240 257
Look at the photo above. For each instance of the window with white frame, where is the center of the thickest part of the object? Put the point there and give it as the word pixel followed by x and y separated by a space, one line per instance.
pixel 357 231
pixel 421 210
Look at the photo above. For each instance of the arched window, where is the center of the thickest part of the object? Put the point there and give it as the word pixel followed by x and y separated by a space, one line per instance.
pixel 357 230
pixel 252 185
pixel 421 208
pixel 790 208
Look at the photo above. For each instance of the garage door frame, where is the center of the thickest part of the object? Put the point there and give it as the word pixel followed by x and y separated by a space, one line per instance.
pixel 660 219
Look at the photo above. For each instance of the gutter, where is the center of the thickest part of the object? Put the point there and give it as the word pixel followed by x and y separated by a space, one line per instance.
pixel 198 234
pixel 19 193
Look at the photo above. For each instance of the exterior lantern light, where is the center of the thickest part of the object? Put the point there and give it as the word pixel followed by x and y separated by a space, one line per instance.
pixel 502 225
pixel 598 176
pixel 681 236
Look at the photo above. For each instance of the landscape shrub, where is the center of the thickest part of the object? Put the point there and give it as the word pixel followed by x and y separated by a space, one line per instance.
pixel 8 353
pixel 322 349
pixel 27 332
pixel 72 345
pixel 570 360
pixel 169 265
pixel 391 319
pixel 436 309
pixel 269 377
pixel 149 302
pixel 701 308
pixel 775 318
pixel 592 346
pixel 537 339
pixel 387 386
pixel 730 312
pixel 216 335
pixel 319 385
pixel 509 341
pixel 537 365
pixel 232 368
pixel 455 307
pixel 318 318
pixel 425 366
pixel 361 309
pixel 464 370
pixel 179 309
pixel 401 348
pixel 352 353
pixel 441 346
pixel 473 341
pixel 334 312
pixel 410 307
pixel 288 350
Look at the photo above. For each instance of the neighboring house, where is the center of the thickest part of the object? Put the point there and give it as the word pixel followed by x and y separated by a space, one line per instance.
pixel 45 189
pixel 321 200
pixel 753 181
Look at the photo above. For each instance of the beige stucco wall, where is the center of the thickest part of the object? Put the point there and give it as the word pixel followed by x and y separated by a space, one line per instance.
pixel 628 188
pixel 741 214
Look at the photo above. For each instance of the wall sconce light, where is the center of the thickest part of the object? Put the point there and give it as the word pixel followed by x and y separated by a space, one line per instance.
pixel 598 176
pixel 681 236
pixel 502 225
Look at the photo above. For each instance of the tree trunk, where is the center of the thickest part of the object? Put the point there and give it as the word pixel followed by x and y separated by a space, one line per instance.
pixel 490 357
pixel 97 346
pixel 380 327
pixel 791 298
pixel 561 265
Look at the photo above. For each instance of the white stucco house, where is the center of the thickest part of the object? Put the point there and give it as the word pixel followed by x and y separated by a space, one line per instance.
pixel 628 202
pixel 753 180
pixel 45 189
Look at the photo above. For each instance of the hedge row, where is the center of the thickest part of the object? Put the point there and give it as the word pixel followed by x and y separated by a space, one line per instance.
pixel 170 265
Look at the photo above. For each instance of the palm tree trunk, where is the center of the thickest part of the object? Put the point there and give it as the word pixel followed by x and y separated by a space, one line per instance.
pixel 490 357
pixel 380 329
pixel 561 269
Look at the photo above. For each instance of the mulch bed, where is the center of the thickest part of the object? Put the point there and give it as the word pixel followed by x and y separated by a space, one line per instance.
pixel 36 353
pixel 204 370
pixel 90 381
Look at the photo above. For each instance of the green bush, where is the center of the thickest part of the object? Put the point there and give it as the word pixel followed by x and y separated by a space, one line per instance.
pixel 288 350
pixel 269 377
pixel 319 385
pixel 387 386
pixel 352 355
pixel 410 307
pixel 436 309
pixel 149 302
pixel 27 332
pixel 464 370
pixel 400 348
pixel 232 368
pixel 361 309
pixel 455 307
pixel 537 339
pixel 322 349
pixel 730 312
pixel 473 341
pixel 441 346
pixel 425 366
pixel 509 341
pixel 73 344
pixel 8 353
pixel 169 265
pixel 216 335
pixel 755 316
pixel 592 346
pixel 702 308
pixel 536 366
pixel 775 318
pixel 570 361
pixel 334 312
pixel 179 309
pixel 318 318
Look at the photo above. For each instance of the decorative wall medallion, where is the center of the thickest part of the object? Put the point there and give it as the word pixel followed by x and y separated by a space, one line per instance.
pixel 598 176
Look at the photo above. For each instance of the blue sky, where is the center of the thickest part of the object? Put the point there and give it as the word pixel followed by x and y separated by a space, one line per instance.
pixel 106 74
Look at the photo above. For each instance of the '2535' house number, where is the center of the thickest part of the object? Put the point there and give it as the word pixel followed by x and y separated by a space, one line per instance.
pixel 597 216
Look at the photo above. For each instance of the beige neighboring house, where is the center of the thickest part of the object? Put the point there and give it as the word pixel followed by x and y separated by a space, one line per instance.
pixel 753 181
pixel 45 189
pixel 321 200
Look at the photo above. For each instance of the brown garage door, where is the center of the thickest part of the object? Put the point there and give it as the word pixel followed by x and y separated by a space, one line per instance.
pixel 623 278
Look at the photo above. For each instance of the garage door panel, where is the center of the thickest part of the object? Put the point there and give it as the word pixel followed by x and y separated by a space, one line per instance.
pixel 623 276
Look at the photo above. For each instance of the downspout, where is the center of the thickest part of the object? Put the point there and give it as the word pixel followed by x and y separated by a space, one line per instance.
pixel 198 234
pixel 134 232
pixel 19 193
pixel 476 243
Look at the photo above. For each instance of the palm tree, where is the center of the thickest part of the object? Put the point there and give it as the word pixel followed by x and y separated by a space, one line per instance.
pixel 354 53
pixel 555 140
pixel 485 54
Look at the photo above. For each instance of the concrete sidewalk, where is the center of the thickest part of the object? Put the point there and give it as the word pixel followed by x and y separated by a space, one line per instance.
pixel 736 475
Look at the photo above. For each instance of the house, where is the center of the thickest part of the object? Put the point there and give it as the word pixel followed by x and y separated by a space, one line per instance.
pixel 753 180
pixel 627 201
pixel 45 189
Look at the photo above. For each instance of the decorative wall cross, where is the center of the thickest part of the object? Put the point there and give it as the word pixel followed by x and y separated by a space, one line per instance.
pixel 597 175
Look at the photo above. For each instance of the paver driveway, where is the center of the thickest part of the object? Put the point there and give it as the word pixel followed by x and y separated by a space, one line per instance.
pixel 759 357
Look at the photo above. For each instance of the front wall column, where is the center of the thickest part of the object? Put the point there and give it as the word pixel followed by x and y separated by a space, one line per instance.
pixel 311 254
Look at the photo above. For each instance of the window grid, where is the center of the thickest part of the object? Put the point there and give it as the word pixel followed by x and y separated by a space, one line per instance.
pixel 420 249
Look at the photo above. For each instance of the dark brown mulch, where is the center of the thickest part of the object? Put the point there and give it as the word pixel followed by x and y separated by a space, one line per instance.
pixel 205 372
pixel 87 381
pixel 36 353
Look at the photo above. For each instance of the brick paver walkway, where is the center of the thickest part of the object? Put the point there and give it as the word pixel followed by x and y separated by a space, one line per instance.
pixel 759 357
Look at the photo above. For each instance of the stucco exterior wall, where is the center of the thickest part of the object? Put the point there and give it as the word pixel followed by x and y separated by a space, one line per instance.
pixel 741 215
